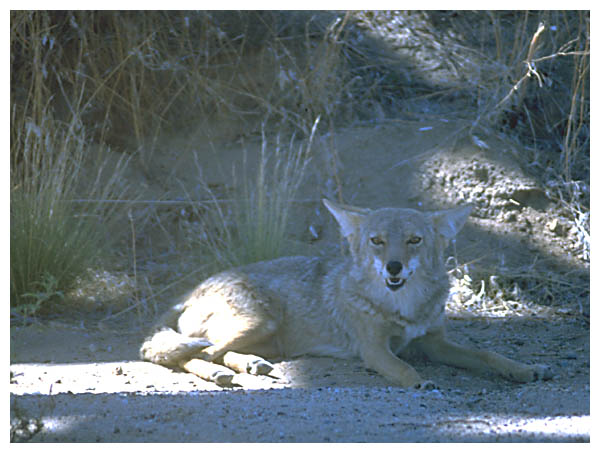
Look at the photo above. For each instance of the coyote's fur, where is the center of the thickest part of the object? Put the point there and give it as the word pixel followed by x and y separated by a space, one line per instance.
pixel 391 292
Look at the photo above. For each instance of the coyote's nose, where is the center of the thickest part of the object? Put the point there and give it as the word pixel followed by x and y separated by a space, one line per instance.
pixel 394 267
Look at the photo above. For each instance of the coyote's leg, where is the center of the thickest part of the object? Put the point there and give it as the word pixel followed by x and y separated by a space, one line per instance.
pixel 233 362
pixel 376 354
pixel 224 375
pixel 234 323
pixel 246 363
pixel 208 371
pixel 439 349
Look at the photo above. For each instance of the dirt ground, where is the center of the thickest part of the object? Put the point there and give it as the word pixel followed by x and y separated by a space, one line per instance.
pixel 77 377
pixel 83 385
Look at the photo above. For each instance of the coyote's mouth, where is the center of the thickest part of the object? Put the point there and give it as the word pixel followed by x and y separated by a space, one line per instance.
pixel 394 283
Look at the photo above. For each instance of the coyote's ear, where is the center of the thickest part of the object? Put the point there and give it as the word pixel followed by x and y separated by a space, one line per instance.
pixel 348 217
pixel 449 222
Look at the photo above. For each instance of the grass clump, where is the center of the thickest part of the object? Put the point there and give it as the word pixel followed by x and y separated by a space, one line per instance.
pixel 253 225
pixel 53 240
pixel 263 210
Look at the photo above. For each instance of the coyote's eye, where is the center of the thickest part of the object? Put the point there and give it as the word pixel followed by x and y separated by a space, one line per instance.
pixel 414 240
pixel 376 240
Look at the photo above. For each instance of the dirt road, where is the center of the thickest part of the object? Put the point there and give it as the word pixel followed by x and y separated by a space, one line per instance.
pixel 78 385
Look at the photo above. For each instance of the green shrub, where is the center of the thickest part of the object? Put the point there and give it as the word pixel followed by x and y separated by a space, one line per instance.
pixel 52 239
pixel 53 161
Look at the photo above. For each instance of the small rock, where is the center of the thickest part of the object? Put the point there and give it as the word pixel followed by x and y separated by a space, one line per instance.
pixel 556 227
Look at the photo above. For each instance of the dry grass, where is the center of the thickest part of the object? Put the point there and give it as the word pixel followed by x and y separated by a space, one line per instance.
pixel 520 72
pixel 529 291
pixel 522 75
pixel 53 241
pixel 84 81
pixel 253 225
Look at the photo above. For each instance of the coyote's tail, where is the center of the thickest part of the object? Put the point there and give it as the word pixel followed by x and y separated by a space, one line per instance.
pixel 168 347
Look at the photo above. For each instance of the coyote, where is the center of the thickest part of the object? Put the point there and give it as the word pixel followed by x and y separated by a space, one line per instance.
pixel 388 294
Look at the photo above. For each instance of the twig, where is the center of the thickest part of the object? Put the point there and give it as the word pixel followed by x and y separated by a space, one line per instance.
pixel 561 54
pixel 531 71
pixel 177 202
pixel 135 291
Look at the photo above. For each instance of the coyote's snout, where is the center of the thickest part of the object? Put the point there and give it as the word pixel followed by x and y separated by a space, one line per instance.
pixel 394 264
pixel 389 294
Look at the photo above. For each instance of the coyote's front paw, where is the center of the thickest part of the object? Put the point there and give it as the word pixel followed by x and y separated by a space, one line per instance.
pixel 247 363
pixel 531 373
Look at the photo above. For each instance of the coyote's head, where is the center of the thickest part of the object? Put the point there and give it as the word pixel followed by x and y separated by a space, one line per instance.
pixel 393 244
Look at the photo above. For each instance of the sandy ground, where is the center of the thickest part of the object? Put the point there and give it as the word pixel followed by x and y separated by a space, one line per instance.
pixel 87 386
pixel 74 378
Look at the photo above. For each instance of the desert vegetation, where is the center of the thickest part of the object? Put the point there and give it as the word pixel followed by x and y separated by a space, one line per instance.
pixel 91 92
